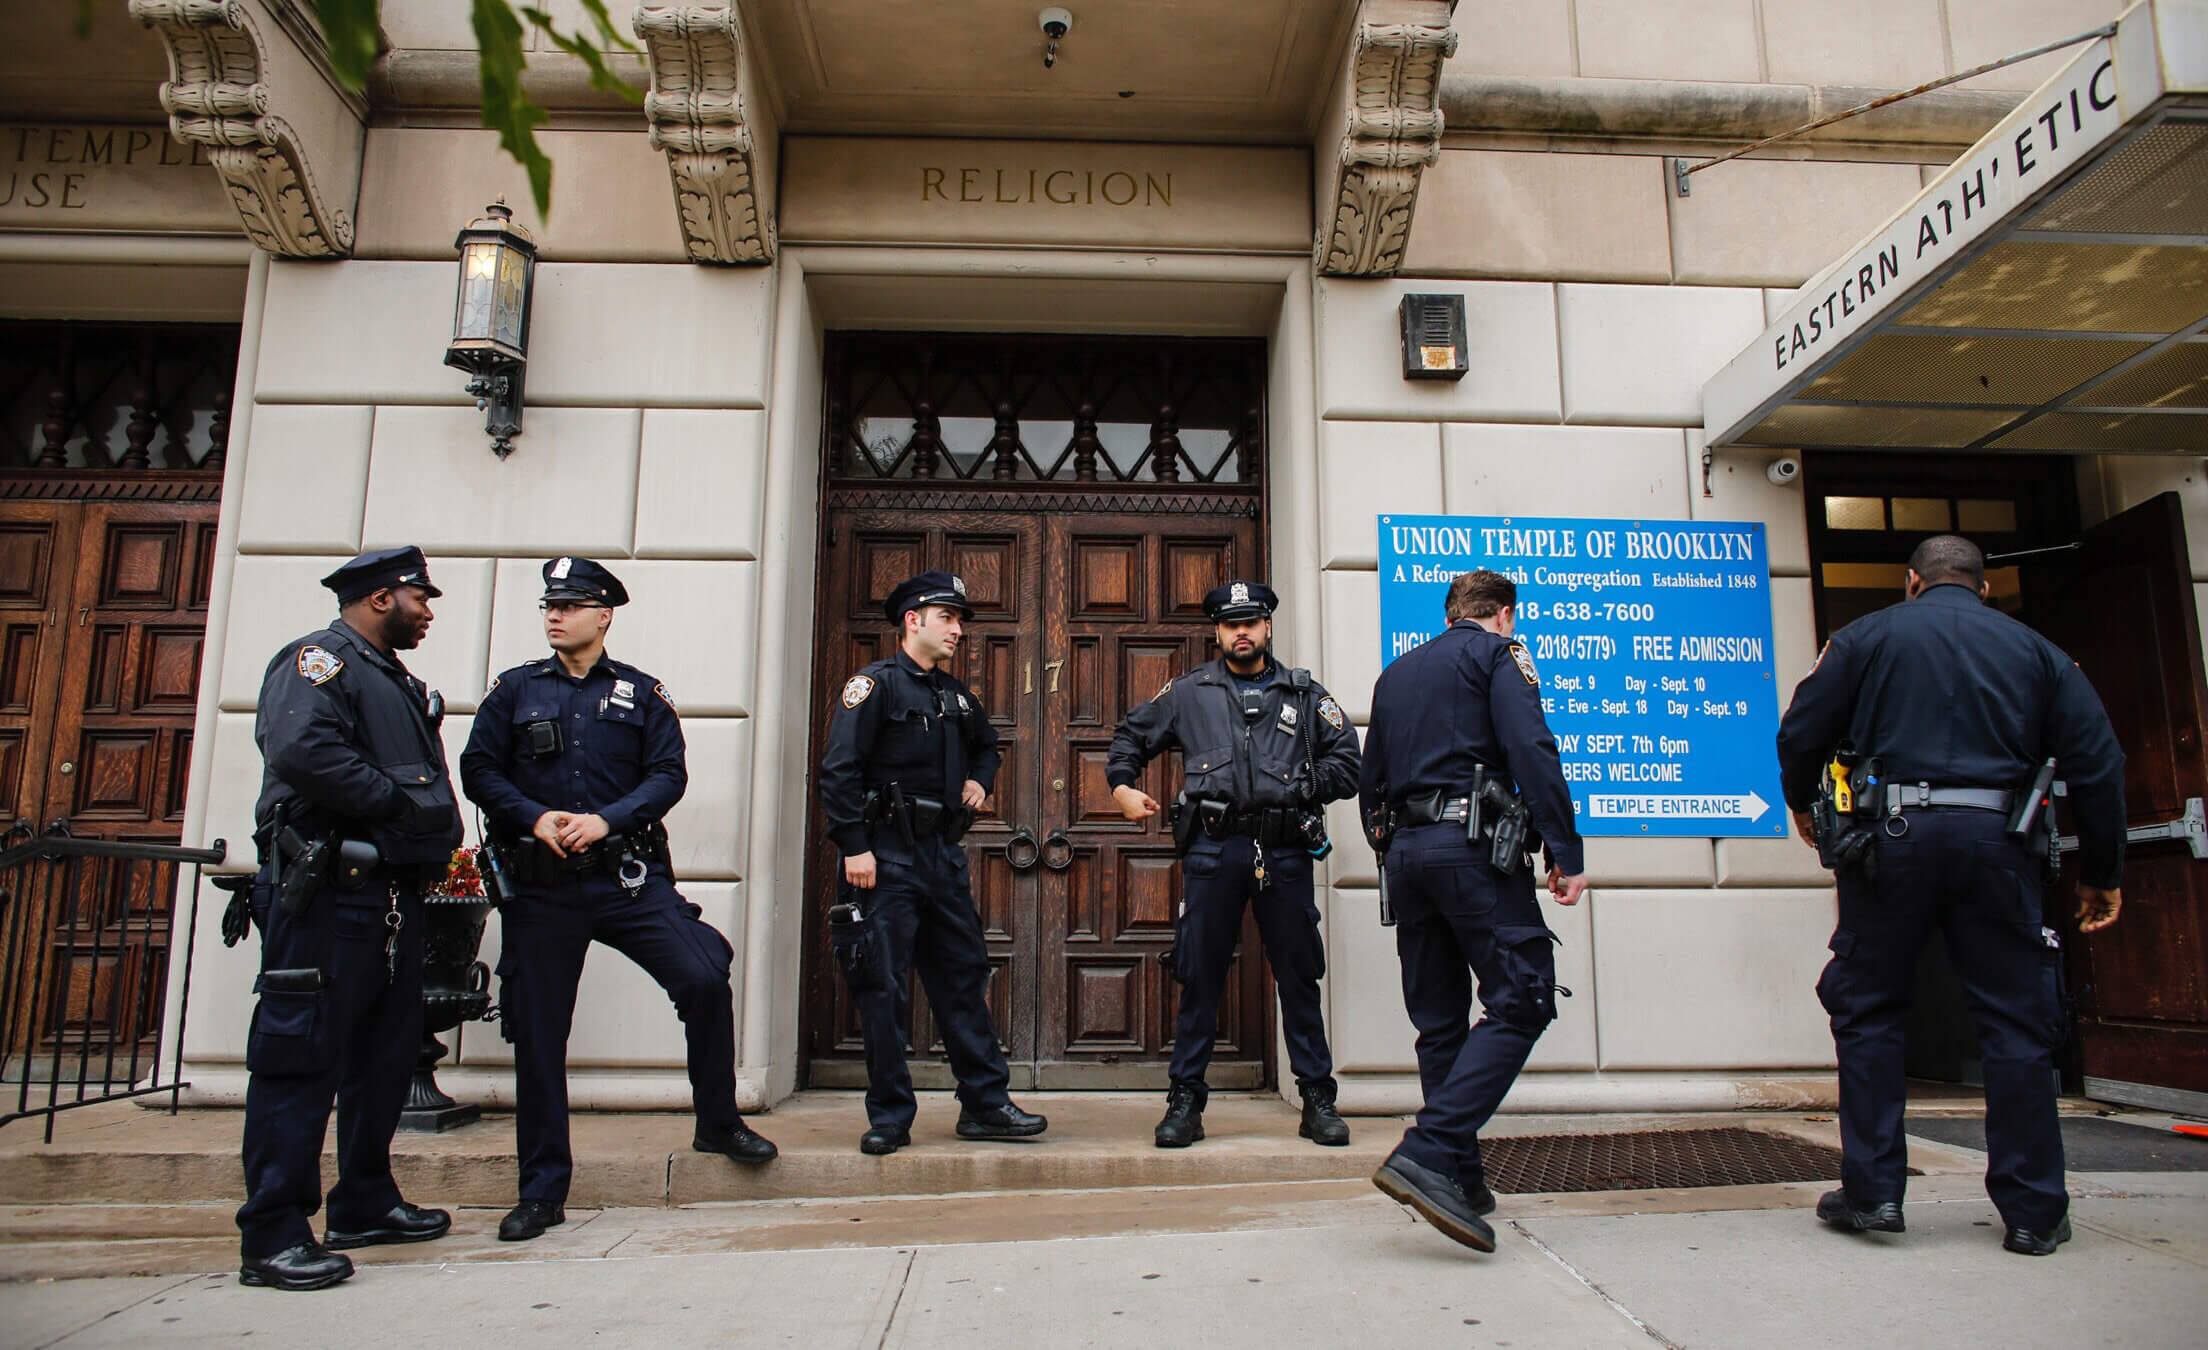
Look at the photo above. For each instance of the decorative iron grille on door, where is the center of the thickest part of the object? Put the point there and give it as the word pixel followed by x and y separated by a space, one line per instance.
pixel 103 396
pixel 995 409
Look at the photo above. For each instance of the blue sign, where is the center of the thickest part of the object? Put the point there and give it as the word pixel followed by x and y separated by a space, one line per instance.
pixel 1653 643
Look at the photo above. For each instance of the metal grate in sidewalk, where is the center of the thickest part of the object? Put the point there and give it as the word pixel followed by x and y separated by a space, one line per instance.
pixel 1654 1160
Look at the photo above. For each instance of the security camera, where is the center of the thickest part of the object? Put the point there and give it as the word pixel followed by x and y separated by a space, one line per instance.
pixel 1784 470
pixel 1055 21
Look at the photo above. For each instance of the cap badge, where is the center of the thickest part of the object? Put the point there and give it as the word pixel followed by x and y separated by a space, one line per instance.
pixel 959 584
pixel 561 568
pixel 1239 595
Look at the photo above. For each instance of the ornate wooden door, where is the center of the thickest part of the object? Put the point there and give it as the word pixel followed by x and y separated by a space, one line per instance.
pixel 1088 491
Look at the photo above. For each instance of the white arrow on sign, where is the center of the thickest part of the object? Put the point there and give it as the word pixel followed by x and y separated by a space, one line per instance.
pixel 1750 806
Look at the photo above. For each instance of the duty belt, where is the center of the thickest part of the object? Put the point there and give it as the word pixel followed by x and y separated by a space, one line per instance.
pixel 1902 797
pixel 1434 810
pixel 1267 825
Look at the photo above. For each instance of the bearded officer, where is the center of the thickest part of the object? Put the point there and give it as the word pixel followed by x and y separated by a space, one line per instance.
pixel 1960 705
pixel 356 815
pixel 1456 722
pixel 911 756
pixel 576 759
pixel 1264 749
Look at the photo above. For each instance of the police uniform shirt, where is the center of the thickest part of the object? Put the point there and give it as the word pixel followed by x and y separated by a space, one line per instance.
pixel 346 739
pixel 897 723
pixel 1947 690
pixel 619 756
pixel 1226 756
pixel 1463 699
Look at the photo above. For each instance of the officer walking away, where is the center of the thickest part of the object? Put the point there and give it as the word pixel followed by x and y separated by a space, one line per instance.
pixel 356 815
pixel 1459 763
pixel 911 757
pixel 1264 748
pixel 576 759
pixel 1934 726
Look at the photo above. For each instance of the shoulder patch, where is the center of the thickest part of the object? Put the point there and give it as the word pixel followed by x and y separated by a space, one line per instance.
pixel 665 697
pixel 1163 690
pixel 1525 665
pixel 1332 712
pixel 856 690
pixel 318 665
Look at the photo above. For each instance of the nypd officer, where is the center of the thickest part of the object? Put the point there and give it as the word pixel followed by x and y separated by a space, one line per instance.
pixel 911 756
pixel 356 814
pixel 576 759
pixel 1263 750
pixel 1960 705
pixel 1457 724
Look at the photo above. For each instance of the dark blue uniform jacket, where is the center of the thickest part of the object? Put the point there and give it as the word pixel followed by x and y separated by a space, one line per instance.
pixel 1224 755
pixel 897 723
pixel 620 755
pixel 1464 698
pixel 1946 690
pixel 345 736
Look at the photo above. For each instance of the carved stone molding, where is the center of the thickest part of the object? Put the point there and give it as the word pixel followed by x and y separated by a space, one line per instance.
pixel 696 109
pixel 221 93
pixel 1392 132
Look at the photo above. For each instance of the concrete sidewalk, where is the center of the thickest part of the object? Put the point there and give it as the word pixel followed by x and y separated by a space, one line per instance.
pixel 1289 1264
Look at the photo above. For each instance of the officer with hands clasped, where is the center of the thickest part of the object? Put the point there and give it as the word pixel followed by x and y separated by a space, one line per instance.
pixel 576 759
pixel 911 756
pixel 1935 727
pixel 1458 762
pixel 356 816
pixel 1264 749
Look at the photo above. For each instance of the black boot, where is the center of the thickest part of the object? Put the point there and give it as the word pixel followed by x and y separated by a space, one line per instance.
pixel 310 1265
pixel 1184 1117
pixel 1836 1209
pixel 1322 1124
pixel 738 1142
pixel 1000 1122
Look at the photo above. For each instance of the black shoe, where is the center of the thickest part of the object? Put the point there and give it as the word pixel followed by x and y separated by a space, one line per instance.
pixel 1834 1208
pixel 1322 1124
pixel 310 1265
pixel 1477 1195
pixel 405 1223
pixel 738 1141
pixel 1436 1198
pixel 2025 1242
pixel 999 1122
pixel 881 1139
pixel 1184 1117
pixel 529 1219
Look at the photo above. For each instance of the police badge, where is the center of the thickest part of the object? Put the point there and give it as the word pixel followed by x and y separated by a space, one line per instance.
pixel 856 690
pixel 318 665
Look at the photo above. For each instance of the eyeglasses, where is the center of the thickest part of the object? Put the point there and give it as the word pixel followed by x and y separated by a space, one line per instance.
pixel 567 606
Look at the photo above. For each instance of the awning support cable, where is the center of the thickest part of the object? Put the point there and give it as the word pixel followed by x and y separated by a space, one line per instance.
pixel 1681 169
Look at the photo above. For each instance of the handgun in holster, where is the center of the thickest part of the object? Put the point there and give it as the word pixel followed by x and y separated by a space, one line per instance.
pixel 1507 851
pixel 305 865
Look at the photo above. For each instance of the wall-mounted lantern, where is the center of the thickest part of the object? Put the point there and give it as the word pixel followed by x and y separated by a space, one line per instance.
pixel 490 319
pixel 1434 343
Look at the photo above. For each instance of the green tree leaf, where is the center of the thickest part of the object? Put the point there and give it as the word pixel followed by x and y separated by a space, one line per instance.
pixel 506 109
pixel 578 45
pixel 354 32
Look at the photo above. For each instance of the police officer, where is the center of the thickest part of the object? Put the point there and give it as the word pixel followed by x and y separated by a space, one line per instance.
pixel 576 759
pixel 1263 750
pixel 1457 725
pixel 356 814
pixel 911 756
pixel 1959 705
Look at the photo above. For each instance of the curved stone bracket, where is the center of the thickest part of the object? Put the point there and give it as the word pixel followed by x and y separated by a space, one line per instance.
pixel 696 110
pixel 219 94
pixel 1391 132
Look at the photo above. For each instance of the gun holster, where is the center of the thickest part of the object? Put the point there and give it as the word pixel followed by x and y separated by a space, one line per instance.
pixel 860 950
pixel 306 870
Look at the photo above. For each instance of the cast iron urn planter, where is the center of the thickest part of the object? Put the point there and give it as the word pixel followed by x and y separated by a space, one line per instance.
pixel 455 989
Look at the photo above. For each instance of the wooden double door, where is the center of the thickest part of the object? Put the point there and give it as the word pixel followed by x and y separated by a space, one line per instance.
pixel 103 614
pixel 1077 617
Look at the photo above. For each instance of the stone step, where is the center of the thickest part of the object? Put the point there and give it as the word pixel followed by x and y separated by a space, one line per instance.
pixel 121 1153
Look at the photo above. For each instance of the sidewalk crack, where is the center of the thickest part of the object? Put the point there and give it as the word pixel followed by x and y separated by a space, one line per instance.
pixel 904 1278
pixel 1619 1308
pixel 164 1290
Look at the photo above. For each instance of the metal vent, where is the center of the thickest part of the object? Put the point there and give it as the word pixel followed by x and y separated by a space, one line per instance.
pixel 2089 432
pixel 2156 185
pixel 2020 372
pixel 2178 378
pixel 1654 1160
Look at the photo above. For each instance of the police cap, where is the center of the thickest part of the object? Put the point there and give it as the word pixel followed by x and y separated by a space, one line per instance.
pixel 379 570
pixel 579 580
pixel 1240 601
pixel 929 588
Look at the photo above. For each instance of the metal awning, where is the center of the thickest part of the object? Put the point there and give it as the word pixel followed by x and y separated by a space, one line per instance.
pixel 2049 291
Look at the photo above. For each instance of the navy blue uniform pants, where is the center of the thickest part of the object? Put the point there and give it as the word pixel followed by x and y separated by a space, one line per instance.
pixel 353 1041
pixel 1219 877
pixel 547 932
pixel 1457 919
pixel 923 909
pixel 1956 869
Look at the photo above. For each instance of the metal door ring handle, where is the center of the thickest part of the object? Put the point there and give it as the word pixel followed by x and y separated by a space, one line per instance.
pixel 1021 851
pixel 1057 851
